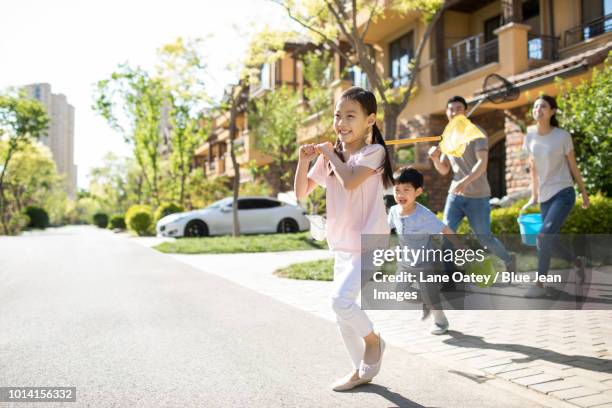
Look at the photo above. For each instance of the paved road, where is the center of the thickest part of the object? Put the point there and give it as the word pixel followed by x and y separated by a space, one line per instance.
pixel 132 327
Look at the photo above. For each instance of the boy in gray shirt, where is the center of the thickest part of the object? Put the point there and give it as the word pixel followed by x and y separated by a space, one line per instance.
pixel 414 223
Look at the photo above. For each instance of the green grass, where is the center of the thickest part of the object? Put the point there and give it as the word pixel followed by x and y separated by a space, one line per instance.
pixel 312 270
pixel 245 243
pixel 324 269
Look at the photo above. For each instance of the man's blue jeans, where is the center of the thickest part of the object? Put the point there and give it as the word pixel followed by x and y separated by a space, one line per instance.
pixel 554 212
pixel 478 213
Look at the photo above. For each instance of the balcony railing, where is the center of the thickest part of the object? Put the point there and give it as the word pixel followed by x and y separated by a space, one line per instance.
pixel 588 30
pixel 465 56
pixel 543 47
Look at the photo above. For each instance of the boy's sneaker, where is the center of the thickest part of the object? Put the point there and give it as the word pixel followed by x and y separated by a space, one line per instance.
pixel 441 323
pixel 579 269
pixel 439 330
pixel 511 265
pixel 535 292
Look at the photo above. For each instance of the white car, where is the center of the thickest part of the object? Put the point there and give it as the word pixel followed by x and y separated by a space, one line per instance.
pixel 256 215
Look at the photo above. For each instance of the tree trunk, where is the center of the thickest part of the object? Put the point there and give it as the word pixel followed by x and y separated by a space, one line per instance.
pixel 3 216
pixel 236 95
pixel 390 127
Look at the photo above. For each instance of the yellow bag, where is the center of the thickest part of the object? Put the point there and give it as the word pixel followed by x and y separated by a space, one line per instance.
pixel 457 134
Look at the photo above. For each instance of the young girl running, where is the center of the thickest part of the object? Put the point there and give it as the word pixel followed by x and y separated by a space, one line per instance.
pixel 552 165
pixel 354 172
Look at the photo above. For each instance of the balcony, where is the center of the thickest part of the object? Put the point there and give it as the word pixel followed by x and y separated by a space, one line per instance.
pixel 588 30
pixel 543 48
pixel 464 56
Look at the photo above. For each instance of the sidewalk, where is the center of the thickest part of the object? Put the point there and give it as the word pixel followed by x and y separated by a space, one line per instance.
pixel 565 355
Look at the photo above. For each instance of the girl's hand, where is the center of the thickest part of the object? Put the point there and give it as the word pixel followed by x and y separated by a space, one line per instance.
pixel 585 200
pixel 325 148
pixel 308 152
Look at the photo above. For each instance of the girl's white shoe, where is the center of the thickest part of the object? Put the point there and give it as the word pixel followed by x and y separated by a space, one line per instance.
pixel 345 383
pixel 369 371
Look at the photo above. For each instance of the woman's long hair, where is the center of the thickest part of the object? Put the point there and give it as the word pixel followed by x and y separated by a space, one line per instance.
pixel 552 102
pixel 367 100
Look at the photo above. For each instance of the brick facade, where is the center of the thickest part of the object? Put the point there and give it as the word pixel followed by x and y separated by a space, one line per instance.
pixel 517 171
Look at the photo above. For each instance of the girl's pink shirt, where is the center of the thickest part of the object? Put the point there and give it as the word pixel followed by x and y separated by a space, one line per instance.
pixel 351 213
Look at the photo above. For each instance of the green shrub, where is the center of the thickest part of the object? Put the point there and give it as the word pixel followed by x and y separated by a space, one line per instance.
pixel 167 209
pixel 117 221
pixel 38 217
pixel 597 219
pixel 139 218
pixel 100 219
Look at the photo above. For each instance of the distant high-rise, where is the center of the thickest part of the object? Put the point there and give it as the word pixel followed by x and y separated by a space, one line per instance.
pixel 60 135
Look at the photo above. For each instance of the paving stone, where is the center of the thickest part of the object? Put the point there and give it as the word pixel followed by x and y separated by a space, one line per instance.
pixel 595 375
pixel 589 382
pixel 553 386
pixel 535 379
pixel 578 392
pixel 525 372
pixel 591 400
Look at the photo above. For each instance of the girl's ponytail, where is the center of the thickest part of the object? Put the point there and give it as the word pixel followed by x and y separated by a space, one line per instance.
pixel 387 169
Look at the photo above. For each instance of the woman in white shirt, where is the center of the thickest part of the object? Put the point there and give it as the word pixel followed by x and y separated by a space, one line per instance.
pixel 553 170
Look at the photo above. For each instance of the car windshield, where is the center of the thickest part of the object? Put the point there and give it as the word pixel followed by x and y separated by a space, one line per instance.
pixel 221 203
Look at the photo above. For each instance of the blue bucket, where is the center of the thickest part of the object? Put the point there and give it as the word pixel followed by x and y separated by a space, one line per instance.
pixel 529 225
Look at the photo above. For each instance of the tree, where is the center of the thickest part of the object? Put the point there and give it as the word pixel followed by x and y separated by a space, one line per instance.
pixel 274 119
pixel 21 120
pixel 142 98
pixel 237 98
pixel 182 70
pixel 109 183
pixel 32 178
pixel 590 124
pixel 329 20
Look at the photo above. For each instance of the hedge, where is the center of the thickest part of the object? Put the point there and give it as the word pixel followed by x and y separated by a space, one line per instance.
pixel 597 219
pixel 100 219
pixel 139 218
pixel 117 221
pixel 38 217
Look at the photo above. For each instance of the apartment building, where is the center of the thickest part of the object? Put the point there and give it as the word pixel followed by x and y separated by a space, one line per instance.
pixel 60 135
pixel 529 42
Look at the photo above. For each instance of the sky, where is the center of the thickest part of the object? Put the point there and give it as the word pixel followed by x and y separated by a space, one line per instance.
pixel 72 44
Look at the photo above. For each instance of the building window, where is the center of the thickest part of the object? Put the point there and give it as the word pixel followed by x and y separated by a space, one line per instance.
pixel 401 52
pixel 264 76
pixel 358 77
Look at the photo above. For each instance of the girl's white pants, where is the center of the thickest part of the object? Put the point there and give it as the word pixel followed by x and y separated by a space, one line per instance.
pixel 353 323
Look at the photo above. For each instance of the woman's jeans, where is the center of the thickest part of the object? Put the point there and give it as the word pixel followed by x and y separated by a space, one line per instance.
pixel 554 212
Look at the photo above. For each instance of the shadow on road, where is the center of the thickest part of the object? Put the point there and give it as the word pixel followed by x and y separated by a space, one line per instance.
pixel 397 399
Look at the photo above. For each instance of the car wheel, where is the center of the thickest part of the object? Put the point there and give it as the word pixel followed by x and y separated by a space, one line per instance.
pixel 287 226
pixel 196 228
